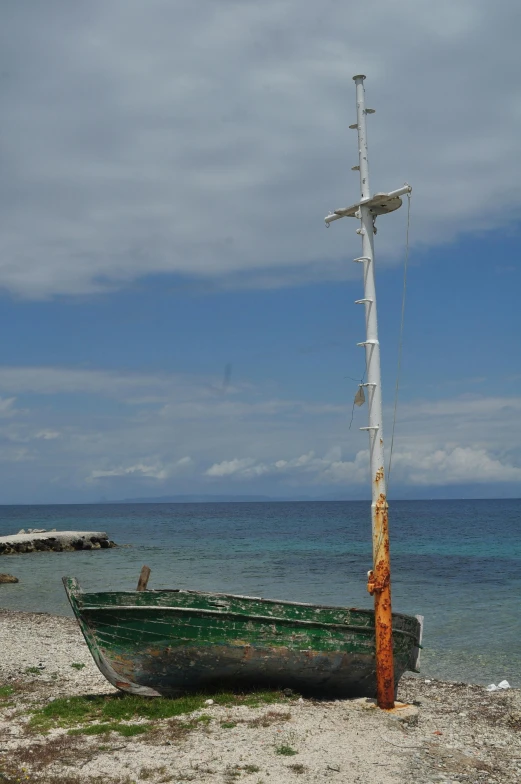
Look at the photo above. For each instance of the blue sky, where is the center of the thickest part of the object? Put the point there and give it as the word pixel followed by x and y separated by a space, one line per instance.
pixel 177 319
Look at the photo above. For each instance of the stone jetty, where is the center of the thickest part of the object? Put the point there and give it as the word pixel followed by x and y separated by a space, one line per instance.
pixel 38 540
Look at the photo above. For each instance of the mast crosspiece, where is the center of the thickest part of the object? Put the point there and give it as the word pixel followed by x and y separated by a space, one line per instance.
pixel 379 578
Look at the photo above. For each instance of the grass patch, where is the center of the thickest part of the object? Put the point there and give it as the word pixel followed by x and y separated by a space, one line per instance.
pixel 8 691
pixel 33 671
pixel 71 712
pixel 149 773
pixel 127 730
pixel 78 665
pixel 285 750
pixel 297 767
pixel 176 730
pixel 234 772
pixel 269 718
pixel 266 720
pixel 62 749
pixel 231 773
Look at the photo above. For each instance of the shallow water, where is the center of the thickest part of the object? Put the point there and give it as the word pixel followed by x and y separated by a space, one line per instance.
pixel 458 563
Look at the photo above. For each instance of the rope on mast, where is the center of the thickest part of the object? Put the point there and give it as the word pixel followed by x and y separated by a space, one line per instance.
pixel 400 341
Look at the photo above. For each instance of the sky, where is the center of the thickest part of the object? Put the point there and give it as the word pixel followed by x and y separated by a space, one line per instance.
pixel 176 319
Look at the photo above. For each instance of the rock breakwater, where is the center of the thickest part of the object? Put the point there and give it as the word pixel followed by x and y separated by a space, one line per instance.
pixel 54 541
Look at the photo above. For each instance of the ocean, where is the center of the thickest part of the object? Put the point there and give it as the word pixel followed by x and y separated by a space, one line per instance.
pixel 458 563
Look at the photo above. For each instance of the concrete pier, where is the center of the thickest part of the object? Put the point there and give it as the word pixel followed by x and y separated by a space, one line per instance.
pixel 38 540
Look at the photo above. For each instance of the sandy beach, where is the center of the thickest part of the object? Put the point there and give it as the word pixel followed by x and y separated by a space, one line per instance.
pixel 452 732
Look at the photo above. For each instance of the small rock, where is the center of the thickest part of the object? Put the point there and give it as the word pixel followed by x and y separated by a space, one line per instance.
pixel 208 702
pixel 22 531
pixel 8 578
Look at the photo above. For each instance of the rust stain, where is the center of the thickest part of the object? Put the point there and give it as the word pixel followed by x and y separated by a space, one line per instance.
pixel 379 475
pixel 379 586
pixel 122 685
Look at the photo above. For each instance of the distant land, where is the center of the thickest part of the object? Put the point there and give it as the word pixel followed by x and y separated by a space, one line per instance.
pixel 483 491
pixel 209 499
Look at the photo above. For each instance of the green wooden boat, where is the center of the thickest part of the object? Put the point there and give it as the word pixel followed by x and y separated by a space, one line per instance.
pixel 167 642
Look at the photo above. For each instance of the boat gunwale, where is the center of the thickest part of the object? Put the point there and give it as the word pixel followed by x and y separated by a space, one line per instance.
pixel 243 616
pixel 283 602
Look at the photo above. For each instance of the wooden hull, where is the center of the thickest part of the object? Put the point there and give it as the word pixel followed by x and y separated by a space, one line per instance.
pixel 165 643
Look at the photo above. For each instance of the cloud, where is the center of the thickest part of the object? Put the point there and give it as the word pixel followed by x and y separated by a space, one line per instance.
pixel 456 465
pixel 84 430
pixel 130 387
pixel 230 467
pixel 329 469
pixel 421 467
pixel 148 470
pixel 208 140
pixel 7 408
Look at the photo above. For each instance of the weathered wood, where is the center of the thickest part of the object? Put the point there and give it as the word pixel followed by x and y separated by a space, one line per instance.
pixel 163 642
pixel 143 579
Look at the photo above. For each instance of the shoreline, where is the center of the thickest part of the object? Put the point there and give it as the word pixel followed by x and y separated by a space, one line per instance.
pixel 456 732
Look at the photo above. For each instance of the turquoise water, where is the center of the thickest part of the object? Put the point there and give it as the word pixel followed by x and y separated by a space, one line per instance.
pixel 458 563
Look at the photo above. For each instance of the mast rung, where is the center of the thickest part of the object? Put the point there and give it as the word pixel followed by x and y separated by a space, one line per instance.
pixel 361 301
pixel 369 384
pixel 369 343
pixel 362 258
pixel 371 427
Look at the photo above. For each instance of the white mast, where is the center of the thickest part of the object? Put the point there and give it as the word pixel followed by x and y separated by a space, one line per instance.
pixel 379 582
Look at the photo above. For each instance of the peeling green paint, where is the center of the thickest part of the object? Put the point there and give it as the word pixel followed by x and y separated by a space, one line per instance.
pixel 168 642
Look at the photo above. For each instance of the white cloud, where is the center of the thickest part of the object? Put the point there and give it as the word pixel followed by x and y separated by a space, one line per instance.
pixel 148 470
pixel 155 471
pixel 455 465
pixel 421 467
pixel 7 408
pixel 230 467
pixel 204 437
pixel 209 139
pixel 329 469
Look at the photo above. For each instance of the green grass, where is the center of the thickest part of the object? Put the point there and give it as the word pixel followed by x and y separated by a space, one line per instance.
pixel 6 691
pixel 228 725
pixel 78 665
pixel 109 709
pixel 285 750
pixel 33 671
